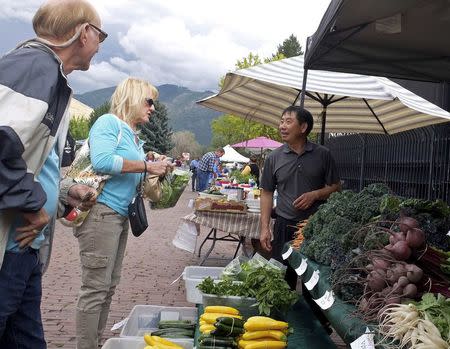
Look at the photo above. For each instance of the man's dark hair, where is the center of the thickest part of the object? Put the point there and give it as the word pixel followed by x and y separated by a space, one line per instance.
pixel 302 116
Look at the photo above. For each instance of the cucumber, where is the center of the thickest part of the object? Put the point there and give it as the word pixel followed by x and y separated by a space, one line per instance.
pixel 230 321
pixel 228 331
pixel 201 346
pixel 218 342
pixel 208 335
pixel 176 324
pixel 174 333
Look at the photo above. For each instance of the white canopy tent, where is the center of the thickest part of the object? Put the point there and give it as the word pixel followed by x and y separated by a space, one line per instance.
pixel 232 155
pixel 339 102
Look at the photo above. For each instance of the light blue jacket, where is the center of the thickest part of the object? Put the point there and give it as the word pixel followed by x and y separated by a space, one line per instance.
pixel 111 141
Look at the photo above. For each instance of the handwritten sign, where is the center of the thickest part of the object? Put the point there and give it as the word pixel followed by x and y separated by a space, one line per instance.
pixel 286 254
pixel 300 270
pixel 313 280
pixel 364 342
pixel 326 301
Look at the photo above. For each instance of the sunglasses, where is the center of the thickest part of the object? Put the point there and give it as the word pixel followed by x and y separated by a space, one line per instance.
pixel 102 35
pixel 150 101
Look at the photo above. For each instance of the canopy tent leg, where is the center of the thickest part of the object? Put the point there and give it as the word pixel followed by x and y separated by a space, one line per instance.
pixel 324 121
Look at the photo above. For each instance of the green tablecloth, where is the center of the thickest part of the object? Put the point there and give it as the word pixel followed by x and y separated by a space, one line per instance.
pixel 308 332
pixel 340 313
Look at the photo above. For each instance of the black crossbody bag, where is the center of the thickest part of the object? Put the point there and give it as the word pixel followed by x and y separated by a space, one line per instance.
pixel 136 209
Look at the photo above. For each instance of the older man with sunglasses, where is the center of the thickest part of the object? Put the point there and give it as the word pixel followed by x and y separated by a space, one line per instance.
pixel 34 120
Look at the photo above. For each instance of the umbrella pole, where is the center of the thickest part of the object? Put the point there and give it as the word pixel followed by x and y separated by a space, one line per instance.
pixel 305 76
pixel 324 120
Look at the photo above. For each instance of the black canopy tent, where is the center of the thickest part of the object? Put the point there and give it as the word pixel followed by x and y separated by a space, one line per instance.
pixel 405 40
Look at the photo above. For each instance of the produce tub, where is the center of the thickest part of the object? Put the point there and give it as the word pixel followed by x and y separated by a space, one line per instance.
pixel 194 275
pixel 137 343
pixel 145 318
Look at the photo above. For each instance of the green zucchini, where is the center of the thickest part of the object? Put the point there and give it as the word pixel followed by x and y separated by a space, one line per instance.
pixel 228 331
pixel 174 332
pixel 231 321
pixel 176 324
pixel 201 346
pixel 218 342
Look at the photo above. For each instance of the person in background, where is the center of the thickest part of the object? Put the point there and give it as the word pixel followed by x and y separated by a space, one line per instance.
pixel 252 168
pixel 206 168
pixel 34 120
pixel 304 175
pixel 193 168
pixel 116 150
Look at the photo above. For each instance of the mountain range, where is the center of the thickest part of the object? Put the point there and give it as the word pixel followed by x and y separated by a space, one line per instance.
pixel 183 113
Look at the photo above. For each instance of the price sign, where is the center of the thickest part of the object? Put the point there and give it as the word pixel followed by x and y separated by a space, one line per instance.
pixel 313 280
pixel 286 254
pixel 448 234
pixel 364 342
pixel 326 301
pixel 300 270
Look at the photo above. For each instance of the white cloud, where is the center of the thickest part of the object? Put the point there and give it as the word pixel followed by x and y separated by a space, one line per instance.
pixel 188 43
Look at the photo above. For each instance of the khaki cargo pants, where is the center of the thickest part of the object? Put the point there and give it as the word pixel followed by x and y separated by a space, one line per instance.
pixel 102 239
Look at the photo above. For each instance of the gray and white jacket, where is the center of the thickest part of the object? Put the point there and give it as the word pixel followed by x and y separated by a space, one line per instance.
pixel 34 103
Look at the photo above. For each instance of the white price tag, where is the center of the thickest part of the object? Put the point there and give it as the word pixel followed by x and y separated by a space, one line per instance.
pixel 191 203
pixel 364 342
pixel 118 325
pixel 286 254
pixel 302 267
pixel 326 301
pixel 448 234
pixel 313 280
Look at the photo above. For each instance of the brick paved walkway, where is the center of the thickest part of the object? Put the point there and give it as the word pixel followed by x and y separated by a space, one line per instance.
pixel 150 265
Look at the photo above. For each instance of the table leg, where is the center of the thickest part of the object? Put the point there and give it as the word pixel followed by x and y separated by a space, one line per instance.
pixel 205 257
pixel 207 238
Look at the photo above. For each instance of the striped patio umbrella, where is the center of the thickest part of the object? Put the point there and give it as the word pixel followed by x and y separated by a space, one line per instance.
pixel 339 102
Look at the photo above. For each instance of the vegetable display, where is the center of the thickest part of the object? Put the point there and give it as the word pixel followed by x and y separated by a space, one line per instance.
pixel 264 283
pixel 172 187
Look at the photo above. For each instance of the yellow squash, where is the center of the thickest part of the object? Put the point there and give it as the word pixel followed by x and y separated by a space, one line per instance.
pixel 212 317
pixel 274 334
pixel 262 344
pixel 261 323
pixel 221 309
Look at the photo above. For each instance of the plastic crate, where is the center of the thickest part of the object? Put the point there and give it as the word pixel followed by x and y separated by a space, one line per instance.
pixel 245 305
pixel 137 343
pixel 145 318
pixel 193 275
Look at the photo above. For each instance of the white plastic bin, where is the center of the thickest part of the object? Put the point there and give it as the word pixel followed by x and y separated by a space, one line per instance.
pixel 193 275
pixel 145 318
pixel 137 343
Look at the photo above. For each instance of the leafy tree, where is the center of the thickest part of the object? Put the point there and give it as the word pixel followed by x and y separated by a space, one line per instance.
pixel 230 129
pixel 185 142
pixel 289 48
pixel 99 111
pixel 157 133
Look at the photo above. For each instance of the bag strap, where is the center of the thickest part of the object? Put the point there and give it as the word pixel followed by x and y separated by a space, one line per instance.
pixel 142 181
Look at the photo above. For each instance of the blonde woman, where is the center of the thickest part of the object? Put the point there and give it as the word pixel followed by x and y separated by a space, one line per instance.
pixel 117 150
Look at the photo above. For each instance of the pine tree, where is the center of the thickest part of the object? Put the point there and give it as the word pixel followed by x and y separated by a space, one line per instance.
pixel 290 47
pixel 157 133
pixel 99 111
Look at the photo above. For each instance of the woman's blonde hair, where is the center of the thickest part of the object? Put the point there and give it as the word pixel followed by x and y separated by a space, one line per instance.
pixel 128 97
pixel 58 19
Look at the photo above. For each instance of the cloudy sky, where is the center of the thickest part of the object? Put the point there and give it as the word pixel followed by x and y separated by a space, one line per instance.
pixel 186 43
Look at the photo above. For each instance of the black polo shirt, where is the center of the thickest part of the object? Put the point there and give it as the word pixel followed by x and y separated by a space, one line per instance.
pixel 292 175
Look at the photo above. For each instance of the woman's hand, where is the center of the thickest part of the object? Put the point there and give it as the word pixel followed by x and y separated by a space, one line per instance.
pixel 160 168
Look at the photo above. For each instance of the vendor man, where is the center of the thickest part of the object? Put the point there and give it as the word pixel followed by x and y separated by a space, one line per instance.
pixel 304 175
